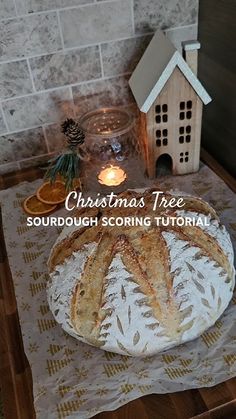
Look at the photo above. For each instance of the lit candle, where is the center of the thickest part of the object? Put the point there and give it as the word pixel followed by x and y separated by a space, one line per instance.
pixel 111 176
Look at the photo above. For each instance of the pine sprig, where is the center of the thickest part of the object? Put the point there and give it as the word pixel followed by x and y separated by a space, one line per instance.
pixel 68 165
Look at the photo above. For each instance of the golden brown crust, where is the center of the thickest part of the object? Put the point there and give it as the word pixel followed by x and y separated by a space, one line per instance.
pixel 67 246
pixel 86 311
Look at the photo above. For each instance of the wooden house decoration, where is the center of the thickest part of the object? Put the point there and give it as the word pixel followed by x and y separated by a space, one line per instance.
pixel 170 98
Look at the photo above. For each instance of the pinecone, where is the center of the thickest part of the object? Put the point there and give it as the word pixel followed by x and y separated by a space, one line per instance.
pixel 73 132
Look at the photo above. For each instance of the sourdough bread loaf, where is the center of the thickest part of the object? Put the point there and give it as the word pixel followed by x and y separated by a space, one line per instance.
pixel 140 290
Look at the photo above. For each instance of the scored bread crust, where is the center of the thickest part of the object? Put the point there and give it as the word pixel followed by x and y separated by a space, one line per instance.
pixel 140 290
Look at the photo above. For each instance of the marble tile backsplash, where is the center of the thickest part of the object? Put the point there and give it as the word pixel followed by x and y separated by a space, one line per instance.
pixel 22 145
pixel 33 6
pixel 7 8
pixel 113 91
pixel 33 110
pixel 95 23
pixel 3 127
pixel 29 35
pixel 61 58
pixel 123 56
pixel 150 14
pixel 15 79
pixel 64 68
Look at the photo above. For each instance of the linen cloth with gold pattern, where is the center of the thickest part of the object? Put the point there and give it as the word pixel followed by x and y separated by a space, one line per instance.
pixel 74 380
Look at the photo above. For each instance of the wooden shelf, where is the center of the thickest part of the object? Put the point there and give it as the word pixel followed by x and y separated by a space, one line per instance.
pixel 15 374
pixel 218 169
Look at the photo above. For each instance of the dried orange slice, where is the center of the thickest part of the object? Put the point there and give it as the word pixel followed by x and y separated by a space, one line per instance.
pixel 33 206
pixel 52 193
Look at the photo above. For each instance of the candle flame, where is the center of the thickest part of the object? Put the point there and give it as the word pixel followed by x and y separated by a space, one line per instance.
pixel 112 176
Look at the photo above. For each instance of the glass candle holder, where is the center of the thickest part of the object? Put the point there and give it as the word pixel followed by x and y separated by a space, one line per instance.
pixel 111 143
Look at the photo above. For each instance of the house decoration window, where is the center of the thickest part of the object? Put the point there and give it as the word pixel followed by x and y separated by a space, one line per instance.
pixel 161 137
pixel 184 157
pixel 185 110
pixel 185 134
pixel 161 113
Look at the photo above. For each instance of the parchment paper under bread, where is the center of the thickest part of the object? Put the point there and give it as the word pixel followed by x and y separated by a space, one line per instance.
pixel 73 380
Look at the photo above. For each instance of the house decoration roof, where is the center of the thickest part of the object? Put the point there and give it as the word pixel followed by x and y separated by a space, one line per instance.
pixel 191 45
pixel 155 68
